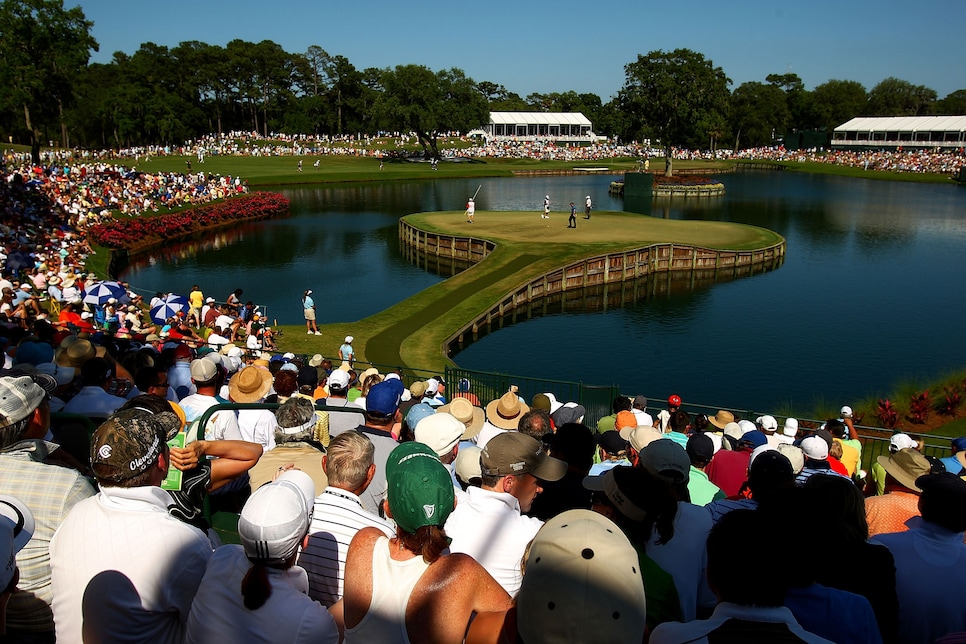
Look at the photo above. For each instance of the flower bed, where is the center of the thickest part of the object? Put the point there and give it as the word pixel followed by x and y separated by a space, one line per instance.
pixel 130 234
pixel 683 180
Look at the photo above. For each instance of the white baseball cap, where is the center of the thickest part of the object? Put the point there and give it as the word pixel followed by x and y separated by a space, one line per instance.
pixel 440 432
pixel 902 441
pixel 815 447
pixel 276 517
pixel 768 423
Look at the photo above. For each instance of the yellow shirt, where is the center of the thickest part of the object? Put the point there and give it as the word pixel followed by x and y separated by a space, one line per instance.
pixel 850 456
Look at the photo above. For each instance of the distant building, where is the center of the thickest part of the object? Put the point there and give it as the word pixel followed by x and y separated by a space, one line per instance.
pixel 563 127
pixel 890 132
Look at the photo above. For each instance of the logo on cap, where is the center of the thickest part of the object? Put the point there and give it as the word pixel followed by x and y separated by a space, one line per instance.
pixel 430 510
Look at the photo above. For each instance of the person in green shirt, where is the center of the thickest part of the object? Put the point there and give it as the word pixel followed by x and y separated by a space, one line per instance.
pixel 700 449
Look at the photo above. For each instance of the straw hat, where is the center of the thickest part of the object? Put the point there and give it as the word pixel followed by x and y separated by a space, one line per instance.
pixel 505 411
pixel 468 414
pixel 722 418
pixel 249 385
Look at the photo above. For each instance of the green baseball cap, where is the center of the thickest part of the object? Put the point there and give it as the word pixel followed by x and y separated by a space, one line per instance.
pixel 420 490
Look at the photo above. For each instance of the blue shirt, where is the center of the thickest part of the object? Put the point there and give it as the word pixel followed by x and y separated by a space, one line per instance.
pixel 952 464
pixel 820 610
pixel 308 302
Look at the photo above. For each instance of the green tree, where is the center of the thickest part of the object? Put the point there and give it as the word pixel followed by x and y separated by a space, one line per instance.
pixel 759 113
pixel 500 99
pixel 838 101
pixel 417 99
pixel 348 95
pixel 953 105
pixel 801 106
pixel 318 62
pixel 896 97
pixel 668 95
pixel 44 47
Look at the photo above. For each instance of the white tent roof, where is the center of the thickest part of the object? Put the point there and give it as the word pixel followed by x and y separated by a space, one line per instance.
pixel 538 118
pixel 904 124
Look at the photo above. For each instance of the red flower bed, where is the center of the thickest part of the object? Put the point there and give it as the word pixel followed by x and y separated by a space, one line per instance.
pixel 683 180
pixel 128 233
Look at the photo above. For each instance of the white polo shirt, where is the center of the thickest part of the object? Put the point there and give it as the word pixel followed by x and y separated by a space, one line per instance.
pixel 488 526
pixel 124 570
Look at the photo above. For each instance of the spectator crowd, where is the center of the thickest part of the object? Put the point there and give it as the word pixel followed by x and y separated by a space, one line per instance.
pixel 453 146
pixel 374 507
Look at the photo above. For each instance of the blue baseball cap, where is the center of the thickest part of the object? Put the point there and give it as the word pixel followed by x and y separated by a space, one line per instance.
pixel 417 413
pixel 755 438
pixel 383 397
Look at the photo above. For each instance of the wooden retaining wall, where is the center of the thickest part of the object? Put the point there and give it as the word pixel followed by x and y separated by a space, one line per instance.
pixel 468 249
pixel 593 271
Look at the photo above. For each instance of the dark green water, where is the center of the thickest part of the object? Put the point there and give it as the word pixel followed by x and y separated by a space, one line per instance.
pixel 869 295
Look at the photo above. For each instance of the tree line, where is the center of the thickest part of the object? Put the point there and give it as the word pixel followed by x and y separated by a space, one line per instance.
pixel 50 91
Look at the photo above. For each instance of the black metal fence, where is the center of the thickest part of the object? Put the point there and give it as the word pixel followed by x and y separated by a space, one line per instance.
pixel 488 386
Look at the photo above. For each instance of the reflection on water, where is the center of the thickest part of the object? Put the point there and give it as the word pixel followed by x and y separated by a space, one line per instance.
pixel 198 244
pixel 598 298
pixel 868 294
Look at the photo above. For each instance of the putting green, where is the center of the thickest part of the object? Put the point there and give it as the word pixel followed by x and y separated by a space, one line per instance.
pixel 616 229
pixel 413 332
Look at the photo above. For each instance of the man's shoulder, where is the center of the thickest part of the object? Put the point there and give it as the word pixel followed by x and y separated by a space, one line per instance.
pixel 379 437
pixel 345 509
pixel 480 502
pixel 27 456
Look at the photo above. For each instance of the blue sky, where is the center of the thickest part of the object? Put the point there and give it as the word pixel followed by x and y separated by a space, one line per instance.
pixel 568 45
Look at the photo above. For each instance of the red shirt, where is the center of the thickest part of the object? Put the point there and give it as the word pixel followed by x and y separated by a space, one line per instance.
pixel 837 466
pixel 728 470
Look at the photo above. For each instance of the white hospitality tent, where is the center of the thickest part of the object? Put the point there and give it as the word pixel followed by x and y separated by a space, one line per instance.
pixel 906 131
pixel 530 126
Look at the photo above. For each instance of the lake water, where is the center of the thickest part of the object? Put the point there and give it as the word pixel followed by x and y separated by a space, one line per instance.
pixel 869 294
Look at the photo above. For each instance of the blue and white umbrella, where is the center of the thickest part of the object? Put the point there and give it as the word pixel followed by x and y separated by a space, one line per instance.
pixel 101 292
pixel 170 307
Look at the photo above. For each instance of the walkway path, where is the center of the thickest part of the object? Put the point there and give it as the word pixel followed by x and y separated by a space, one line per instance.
pixel 386 347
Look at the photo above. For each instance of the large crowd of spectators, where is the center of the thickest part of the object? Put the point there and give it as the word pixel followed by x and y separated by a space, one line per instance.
pixel 456 146
pixel 87 192
pixel 372 509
